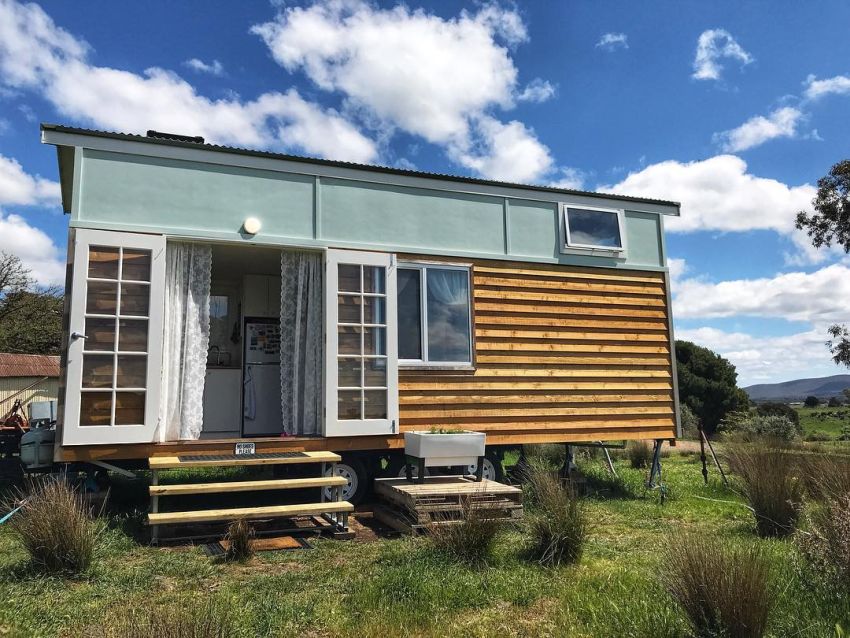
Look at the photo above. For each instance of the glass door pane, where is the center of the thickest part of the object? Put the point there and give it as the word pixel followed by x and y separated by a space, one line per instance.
pixel 117 308
pixel 362 355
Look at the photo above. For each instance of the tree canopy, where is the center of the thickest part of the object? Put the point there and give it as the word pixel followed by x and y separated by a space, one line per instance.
pixel 828 225
pixel 708 384
pixel 30 316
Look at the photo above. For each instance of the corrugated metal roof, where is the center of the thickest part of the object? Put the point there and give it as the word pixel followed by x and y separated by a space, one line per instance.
pixel 28 365
pixel 324 162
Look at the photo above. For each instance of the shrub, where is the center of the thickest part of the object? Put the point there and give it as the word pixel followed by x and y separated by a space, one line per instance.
pixel 240 533
pixel 469 538
pixel 186 619
pixel 690 422
pixel 55 527
pixel 723 591
pixel 845 433
pixel 818 435
pixel 639 454
pixel 827 544
pixel 557 527
pixel 773 408
pixel 811 401
pixel 751 427
pixel 834 402
pixel 770 485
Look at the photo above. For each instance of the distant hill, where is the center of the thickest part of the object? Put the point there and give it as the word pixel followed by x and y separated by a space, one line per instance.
pixel 799 389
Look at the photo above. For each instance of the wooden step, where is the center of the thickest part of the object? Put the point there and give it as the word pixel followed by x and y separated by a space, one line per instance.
pixel 273 511
pixel 234 460
pixel 246 486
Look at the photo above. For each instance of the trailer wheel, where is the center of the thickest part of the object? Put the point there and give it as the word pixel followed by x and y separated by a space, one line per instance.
pixel 396 468
pixel 491 470
pixel 354 471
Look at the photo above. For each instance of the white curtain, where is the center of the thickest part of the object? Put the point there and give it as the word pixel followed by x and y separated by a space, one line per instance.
pixel 186 336
pixel 450 287
pixel 301 342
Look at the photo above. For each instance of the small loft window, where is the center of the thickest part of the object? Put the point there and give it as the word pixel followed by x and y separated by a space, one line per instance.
pixel 434 316
pixel 593 228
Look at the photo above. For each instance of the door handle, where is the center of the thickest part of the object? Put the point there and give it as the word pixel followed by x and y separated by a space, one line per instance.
pixel 78 335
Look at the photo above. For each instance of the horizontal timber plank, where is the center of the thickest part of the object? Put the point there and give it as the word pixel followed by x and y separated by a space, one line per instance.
pixel 551 373
pixel 530 306
pixel 565 359
pixel 618 300
pixel 565 335
pixel 501 319
pixel 409 401
pixel 519 385
pixel 514 437
pixel 567 285
pixel 170 462
pixel 482 425
pixel 246 486
pixel 482 344
pixel 572 272
pixel 530 411
pixel 273 511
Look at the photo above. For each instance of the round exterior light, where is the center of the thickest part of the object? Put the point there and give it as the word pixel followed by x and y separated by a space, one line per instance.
pixel 252 225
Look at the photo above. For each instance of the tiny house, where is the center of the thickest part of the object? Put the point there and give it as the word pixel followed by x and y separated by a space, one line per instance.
pixel 220 296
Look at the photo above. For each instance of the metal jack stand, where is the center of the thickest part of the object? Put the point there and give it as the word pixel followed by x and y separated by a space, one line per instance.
pixel 569 465
pixel 654 480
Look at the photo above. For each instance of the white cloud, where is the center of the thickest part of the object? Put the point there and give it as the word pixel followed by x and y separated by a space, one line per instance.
pixel 508 152
pixel 822 296
pixel 37 55
pixel 677 267
pixel 757 130
pixel 213 68
pixel 818 298
pixel 537 91
pixel 838 85
pixel 719 194
pixel 19 187
pixel 712 46
pixel 613 41
pixel 760 359
pixel 570 178
pixel 34 248
pixel 437 78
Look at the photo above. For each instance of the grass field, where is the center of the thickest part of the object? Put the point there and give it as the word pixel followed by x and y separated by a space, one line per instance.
pixel 824 419
pixel 400 587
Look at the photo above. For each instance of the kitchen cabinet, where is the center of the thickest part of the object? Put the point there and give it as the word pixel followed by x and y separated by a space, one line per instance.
pixel 261 296
pixel 222 403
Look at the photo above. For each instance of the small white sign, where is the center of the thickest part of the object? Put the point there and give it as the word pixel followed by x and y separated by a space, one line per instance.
pixel 245 448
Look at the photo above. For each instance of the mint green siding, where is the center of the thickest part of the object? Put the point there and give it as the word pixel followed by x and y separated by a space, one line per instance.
pixel 297 205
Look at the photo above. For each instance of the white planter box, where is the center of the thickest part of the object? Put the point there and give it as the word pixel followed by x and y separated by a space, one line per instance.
pixel 461 448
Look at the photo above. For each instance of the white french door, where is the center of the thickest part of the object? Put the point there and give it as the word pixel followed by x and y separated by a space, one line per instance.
pixel 361 378
pixel 115 341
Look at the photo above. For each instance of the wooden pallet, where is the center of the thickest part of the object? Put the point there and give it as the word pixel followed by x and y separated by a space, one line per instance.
pixel 410 507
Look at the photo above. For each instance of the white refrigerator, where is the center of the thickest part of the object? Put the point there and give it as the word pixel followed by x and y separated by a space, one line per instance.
pixel 261 410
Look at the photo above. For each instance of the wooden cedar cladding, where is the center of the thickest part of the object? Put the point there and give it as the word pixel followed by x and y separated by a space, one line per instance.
pixel 561 353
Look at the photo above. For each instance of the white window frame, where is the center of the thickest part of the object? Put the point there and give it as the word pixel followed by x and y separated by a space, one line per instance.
pixel 424 362
pixel 568 246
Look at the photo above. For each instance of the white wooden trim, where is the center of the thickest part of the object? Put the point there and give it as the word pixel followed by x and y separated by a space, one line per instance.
pixel 72 432
pixel 333 425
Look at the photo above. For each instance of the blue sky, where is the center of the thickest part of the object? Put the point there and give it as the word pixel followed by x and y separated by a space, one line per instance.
pixel 734 109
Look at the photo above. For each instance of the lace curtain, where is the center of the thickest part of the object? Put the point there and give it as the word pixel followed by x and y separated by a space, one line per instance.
pixel 301 342
pixel 450 287
pixel 186 336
